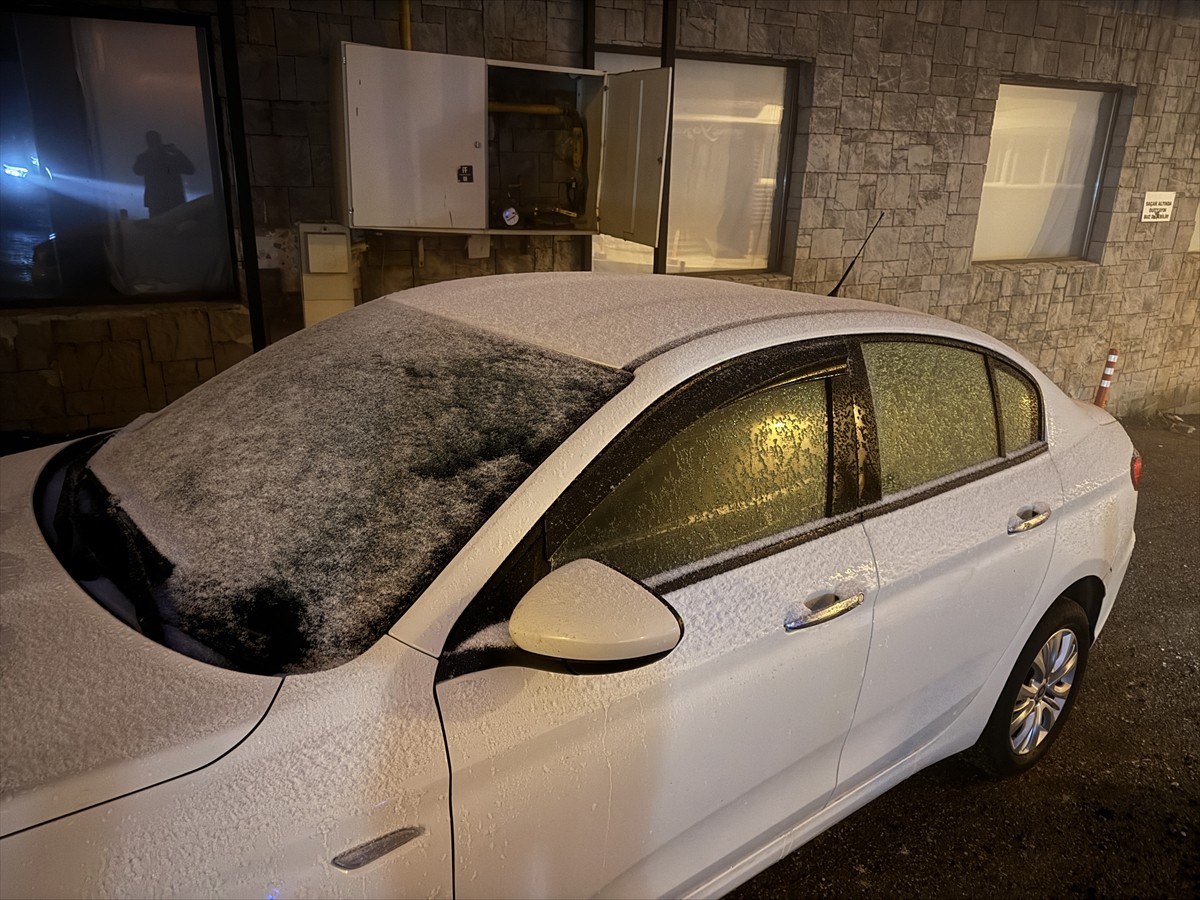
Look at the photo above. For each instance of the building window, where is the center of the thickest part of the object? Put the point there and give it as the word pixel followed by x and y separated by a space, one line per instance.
pixel 726 133
pixel 1043 172
pixel 112 181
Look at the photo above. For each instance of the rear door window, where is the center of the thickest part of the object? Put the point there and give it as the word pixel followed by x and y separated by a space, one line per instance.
pixel 934 413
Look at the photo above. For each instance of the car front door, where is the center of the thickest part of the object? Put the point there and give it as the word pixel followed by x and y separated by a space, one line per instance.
pixel 733 501
pixel 962 531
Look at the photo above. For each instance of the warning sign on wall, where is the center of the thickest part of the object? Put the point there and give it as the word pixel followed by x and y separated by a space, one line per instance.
pixel 1157 206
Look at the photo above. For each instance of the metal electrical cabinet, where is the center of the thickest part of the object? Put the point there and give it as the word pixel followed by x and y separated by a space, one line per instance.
pixel 438 143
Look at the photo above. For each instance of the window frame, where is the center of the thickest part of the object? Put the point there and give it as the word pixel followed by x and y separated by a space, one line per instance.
pixel 783 169
pixel 214 31
pixel 1106 133
pixel 872 501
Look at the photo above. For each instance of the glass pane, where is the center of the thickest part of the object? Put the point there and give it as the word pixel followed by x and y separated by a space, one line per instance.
pixel 112 181
pixel 724 155
pixel 752 468
pixel 933 411
pixel 1043 167
pixel 1019 410
pixel 725 139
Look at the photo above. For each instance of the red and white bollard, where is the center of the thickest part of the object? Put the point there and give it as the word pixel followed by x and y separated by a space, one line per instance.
pixel 1110 366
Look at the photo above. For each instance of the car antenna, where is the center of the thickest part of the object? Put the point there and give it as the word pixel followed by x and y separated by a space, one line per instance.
pixel 837 286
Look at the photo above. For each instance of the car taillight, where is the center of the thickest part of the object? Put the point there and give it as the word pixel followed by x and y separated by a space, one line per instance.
pixel 1135 469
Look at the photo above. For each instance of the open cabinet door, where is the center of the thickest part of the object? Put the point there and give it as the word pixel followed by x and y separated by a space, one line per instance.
pixel 637 106
pixel 414 132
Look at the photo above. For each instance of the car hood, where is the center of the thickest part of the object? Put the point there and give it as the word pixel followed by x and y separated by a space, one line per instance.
pixel 92 709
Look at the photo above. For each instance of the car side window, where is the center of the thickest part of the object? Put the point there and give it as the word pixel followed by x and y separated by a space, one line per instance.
pixel 934 413
pixel 1020 410
pixel 754 467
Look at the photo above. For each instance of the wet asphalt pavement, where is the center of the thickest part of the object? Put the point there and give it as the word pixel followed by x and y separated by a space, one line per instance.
pixel 1114 809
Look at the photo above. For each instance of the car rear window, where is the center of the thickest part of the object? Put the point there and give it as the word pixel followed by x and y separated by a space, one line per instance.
pixel 304 499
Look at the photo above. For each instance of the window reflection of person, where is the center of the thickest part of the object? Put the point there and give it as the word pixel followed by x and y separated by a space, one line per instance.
pixel 163 166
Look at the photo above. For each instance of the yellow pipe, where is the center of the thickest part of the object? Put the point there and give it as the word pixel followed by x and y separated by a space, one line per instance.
pixel 535 109
pixel 406 24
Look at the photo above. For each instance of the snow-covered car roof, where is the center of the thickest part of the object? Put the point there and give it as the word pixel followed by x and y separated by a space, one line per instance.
pixel 620 320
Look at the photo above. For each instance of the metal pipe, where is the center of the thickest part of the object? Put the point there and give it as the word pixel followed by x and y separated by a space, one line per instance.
pixel 406 24
pixel 533 109
pixel 670 32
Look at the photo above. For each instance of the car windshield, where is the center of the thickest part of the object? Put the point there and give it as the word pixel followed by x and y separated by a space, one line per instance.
pixel 294 507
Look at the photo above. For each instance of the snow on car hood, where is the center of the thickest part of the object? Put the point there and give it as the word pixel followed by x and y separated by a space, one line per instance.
pixel 92 709
pixel 307 496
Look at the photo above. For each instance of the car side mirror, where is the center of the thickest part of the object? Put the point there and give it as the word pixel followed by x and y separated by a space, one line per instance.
pixel 586 612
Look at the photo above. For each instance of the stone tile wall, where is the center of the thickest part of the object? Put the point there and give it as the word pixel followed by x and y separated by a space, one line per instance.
pixel 897 118
pixel 68 371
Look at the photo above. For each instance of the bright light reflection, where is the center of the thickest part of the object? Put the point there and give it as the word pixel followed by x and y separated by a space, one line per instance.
pixel 108 194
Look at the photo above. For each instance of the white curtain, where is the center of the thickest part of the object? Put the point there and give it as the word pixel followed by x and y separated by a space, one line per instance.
pixel 1042 172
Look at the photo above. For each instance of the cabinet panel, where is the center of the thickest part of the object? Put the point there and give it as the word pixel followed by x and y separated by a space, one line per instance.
pixel 635 144
pixel 441 143
pixel 415 131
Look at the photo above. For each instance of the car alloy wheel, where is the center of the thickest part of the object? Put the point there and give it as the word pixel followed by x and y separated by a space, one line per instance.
pixel 1043 693
pixel 1039 693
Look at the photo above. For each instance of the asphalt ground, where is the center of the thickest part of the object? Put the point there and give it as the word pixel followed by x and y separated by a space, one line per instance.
pixel 1113 810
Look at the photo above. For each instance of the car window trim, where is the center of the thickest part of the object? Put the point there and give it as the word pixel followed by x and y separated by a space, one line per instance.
pixel 997 413
pixel 930 489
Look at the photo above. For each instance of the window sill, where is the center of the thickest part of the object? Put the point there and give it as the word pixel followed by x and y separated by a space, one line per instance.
pixel 1007 265
pixel 1039 265
pixel 761 278
pixel 100 309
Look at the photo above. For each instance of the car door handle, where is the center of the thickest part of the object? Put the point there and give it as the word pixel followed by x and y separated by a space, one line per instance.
pixel 1029 517
pixel 820 609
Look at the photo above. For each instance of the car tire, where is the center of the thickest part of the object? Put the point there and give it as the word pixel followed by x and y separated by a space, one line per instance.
pixel 1039 694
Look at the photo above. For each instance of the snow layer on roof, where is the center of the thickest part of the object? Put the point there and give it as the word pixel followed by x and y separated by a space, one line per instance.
pixel 307 496
pixel 614 320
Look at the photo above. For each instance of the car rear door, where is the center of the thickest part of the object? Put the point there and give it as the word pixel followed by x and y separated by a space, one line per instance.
pixel 959 506
pixel 731 500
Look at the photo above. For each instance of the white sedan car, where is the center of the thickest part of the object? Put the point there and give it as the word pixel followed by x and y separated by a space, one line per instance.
pixel 543 586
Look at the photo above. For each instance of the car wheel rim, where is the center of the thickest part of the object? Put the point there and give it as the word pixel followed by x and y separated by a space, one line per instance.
pixel 1043 694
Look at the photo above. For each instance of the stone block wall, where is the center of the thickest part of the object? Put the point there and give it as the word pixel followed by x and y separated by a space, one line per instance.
pixel 896 117
pixel 69 371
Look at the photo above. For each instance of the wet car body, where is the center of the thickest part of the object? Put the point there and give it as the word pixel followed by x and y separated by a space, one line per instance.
pixel 867 611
